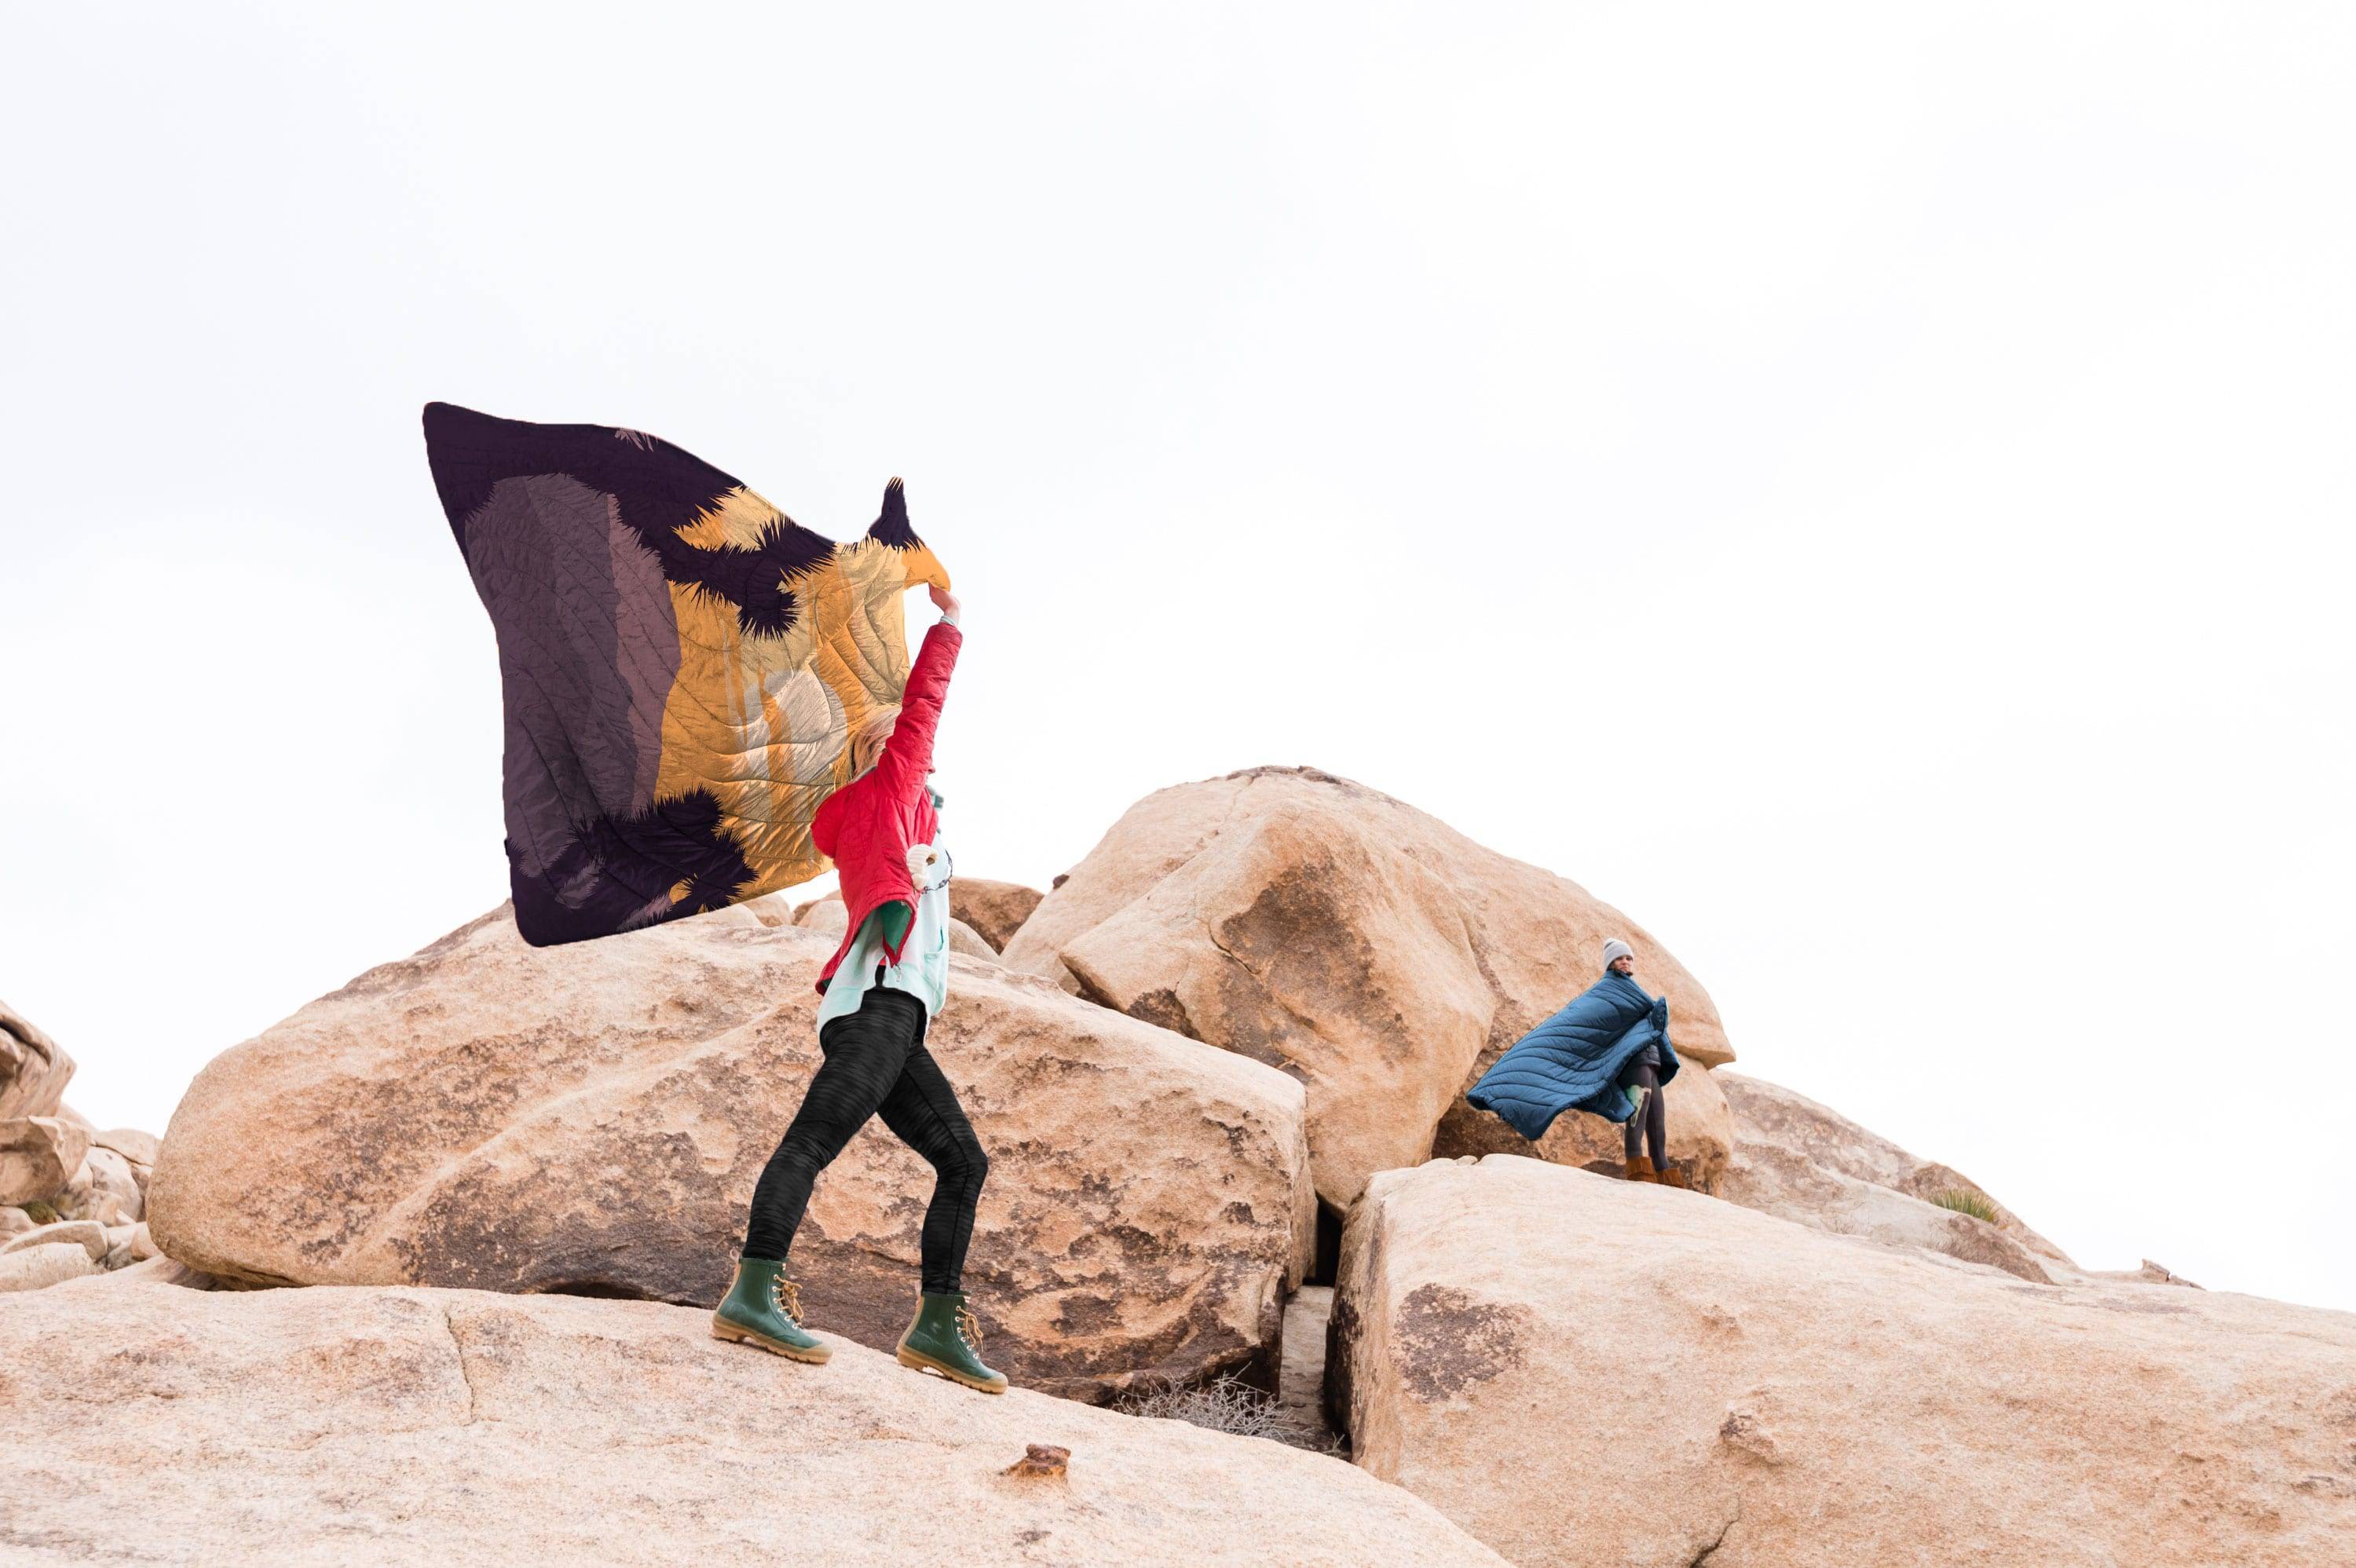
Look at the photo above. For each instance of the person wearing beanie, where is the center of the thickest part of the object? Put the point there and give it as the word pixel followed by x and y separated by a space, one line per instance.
pixel 1606 1052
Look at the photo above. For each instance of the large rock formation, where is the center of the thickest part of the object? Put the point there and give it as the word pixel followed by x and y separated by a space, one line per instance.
pixel 1809 1164
pixel 1358 944
pixel 592 1118
pixel 1581 1370
pixel 430 1427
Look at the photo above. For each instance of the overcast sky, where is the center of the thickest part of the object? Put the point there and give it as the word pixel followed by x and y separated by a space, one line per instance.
pixel 1865 489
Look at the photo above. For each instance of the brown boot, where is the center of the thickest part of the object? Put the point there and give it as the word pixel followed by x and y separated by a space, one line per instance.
pixel 1675 1177
pixel 1640 1170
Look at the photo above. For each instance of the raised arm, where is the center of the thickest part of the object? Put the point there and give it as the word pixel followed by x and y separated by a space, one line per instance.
pixel 908 754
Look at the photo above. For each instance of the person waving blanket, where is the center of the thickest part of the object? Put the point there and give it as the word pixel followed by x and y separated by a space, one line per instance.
pixel 1606 1052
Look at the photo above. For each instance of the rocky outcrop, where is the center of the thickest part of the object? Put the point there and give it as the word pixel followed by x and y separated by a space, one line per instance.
pixel 430 1427
pixel 1749 1391
pixel 592 1118
pixel 1809 1164
pixel 1323 928
pixel 34 1069
pixel 995 910
pixel 61 1177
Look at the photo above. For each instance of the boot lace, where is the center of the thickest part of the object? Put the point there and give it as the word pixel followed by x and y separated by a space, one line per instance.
pixel 787 1295
pixel 968 1325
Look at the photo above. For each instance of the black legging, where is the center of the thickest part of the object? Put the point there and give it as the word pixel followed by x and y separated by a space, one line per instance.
pixel 876 1064
pixel 1653 1126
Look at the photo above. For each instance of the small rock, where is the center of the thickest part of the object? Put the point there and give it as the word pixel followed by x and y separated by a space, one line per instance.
pixel 32 1268
pixel 143 1244
pixel 84 1234
pixel 1746 1434
pixel 15 1222
pixel 1041 1459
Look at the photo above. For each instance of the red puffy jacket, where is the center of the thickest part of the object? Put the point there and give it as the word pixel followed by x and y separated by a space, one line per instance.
pixel 867 826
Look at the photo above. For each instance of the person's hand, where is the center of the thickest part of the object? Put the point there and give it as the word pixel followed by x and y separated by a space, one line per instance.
pixel 945 602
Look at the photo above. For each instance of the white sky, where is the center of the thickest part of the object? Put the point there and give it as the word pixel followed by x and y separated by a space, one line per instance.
pixel 1866 489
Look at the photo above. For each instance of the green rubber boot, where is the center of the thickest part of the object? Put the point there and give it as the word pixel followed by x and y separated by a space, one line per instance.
pixel 945 1337
pixel 764 1307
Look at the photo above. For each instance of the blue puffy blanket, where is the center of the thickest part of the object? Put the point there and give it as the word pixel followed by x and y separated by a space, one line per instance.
pixel 1573 1061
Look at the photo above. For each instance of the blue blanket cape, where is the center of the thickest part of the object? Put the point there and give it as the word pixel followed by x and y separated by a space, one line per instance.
pixel 1574 1059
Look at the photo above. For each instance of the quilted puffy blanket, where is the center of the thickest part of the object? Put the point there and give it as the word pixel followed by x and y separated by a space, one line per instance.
pixel 1574 1059
pixel 682 665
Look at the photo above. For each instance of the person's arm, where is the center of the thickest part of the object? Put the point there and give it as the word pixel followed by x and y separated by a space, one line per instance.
pixel 908 754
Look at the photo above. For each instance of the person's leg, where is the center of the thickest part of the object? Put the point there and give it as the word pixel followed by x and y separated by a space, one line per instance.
pixel 945 1335
pixel 1656 1122
pixel 1632 1131
pixel 922 1110
pixel 864 1051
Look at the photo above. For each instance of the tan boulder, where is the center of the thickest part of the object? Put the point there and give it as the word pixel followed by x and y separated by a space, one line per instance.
pixel 1320 926
pixel 827 915
pixel 38 1268
pixel 428 1427
pixel 996 910
pixel 1808 1163
pixel 15 1222
pixel 1700 1128
pixel 38 1156
pixel 592 1118
pixel 34 1069
pixel 87 1234
pixel 1581 1370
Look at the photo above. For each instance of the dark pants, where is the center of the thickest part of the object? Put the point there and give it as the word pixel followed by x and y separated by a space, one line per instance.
pixel 876 1064
pixel 1653 1126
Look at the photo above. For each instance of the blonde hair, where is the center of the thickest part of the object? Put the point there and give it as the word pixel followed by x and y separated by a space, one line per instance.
pixel 866 743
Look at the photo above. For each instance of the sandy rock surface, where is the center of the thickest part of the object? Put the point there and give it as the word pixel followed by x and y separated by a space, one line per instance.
pixel 1328 930
pixel 592 1118
pixel 1810 1164
pixel 440 1427
pixel 996 910
pixel 1579 1371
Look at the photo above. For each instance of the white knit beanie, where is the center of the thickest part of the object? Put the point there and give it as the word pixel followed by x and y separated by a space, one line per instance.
pixel 1616 949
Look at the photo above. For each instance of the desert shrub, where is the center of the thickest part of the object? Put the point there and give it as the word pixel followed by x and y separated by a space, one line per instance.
pixel 1226 1404
pixel 1964 1200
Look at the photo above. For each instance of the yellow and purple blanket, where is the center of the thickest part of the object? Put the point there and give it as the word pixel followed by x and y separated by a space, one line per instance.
pixel 682 665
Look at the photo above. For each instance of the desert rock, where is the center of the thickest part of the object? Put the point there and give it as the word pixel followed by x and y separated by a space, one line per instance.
pixel 38 1268
pixel 1351 940
pixel 1715 1384
pixel 34 1069
pixel 592 1118
pixel 431 1427
pixel 995 910
pixel 87 1234
pixel 38 1156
